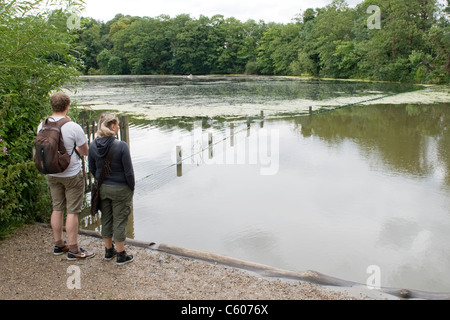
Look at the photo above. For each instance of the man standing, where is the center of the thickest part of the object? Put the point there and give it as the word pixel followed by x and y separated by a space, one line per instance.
pixel 67 188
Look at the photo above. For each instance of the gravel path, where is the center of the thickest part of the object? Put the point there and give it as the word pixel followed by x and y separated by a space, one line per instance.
pixel 30 271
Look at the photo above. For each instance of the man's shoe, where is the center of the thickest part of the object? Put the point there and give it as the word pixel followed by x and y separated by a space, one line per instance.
pixel 57 251
pixel 81 255
pixel 123 258
pixel 110 253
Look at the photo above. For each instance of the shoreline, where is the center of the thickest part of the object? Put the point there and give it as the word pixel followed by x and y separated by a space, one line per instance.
pixel 356 290
pixel 164 272
pixel 32 272
pixel 243 75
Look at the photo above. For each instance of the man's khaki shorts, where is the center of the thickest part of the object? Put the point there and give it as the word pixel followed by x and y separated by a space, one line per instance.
pixel 67 193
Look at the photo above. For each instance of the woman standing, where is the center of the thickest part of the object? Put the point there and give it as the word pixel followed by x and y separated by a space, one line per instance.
pixel 116 192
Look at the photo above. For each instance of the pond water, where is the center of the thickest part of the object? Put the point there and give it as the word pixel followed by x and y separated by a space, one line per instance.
pixel 367 184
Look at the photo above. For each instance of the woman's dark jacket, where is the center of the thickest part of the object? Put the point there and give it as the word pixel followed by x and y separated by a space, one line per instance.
pixel 122 172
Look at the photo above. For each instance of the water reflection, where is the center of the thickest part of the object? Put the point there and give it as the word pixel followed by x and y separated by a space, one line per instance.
pixel 409 139
pixel 359 186
pixel 408 144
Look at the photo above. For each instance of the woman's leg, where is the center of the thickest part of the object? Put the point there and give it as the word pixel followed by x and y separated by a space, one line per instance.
pixel 106 208
pixel 108 243
pixel 121 211
pixel 121 208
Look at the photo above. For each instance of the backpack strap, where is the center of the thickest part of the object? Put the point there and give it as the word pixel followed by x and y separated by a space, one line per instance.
pixel 57 124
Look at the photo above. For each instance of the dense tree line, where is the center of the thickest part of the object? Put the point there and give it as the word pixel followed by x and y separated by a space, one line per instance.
pixel 412 43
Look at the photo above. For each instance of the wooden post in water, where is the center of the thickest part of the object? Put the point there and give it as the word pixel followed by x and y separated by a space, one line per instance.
pixel 248 126
pixel 310 111
pixel 262 119
pixel 124 128
pixel 232 134
pixel 179 162
pixel 210 144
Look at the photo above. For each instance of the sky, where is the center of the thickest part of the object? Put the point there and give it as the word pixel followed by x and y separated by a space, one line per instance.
pixel 281 11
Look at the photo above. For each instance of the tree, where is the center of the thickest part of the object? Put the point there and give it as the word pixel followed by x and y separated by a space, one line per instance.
pixel 303 65
pixel 333 41
pixel 196 46
pixel 37 57
pixel 332 27
pixel 405 27
pixel 103 60
pixel 278 49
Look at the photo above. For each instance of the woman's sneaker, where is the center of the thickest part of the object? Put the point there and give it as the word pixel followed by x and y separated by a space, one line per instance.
pixel 110 253
pixel 81 255
pixel 123 258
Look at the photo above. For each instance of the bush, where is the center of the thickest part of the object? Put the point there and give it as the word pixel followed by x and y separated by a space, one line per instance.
pixel 24 197
pixel 37 58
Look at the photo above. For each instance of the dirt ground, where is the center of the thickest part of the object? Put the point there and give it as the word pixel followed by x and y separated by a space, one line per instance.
pixel 30 271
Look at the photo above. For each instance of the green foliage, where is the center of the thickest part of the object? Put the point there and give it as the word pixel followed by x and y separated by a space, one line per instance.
pixel 279 46
pixel 24 197
pixel 303 65
pixel 333 41
pixel 164 45
pixel 37 57
pixel 251 68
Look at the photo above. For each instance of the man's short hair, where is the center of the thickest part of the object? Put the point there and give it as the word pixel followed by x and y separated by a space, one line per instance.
pixel 59 102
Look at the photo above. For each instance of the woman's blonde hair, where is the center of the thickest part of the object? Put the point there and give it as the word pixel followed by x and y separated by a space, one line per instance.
pixel 104 125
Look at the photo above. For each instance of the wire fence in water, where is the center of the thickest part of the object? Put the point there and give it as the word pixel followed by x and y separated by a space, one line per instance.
pixel 198 151
pixel 195 155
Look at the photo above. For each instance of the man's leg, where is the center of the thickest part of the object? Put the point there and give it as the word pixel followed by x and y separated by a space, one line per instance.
pixel 57 192
pixel 72 231
pixel 56 222
pixel 75 252
pixel 74 198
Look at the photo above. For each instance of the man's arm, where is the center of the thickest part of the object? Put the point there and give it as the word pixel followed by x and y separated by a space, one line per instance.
pixel 81 141
pixel 83 150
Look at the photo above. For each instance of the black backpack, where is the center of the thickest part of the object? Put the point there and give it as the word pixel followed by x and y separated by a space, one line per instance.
pixel 51 155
